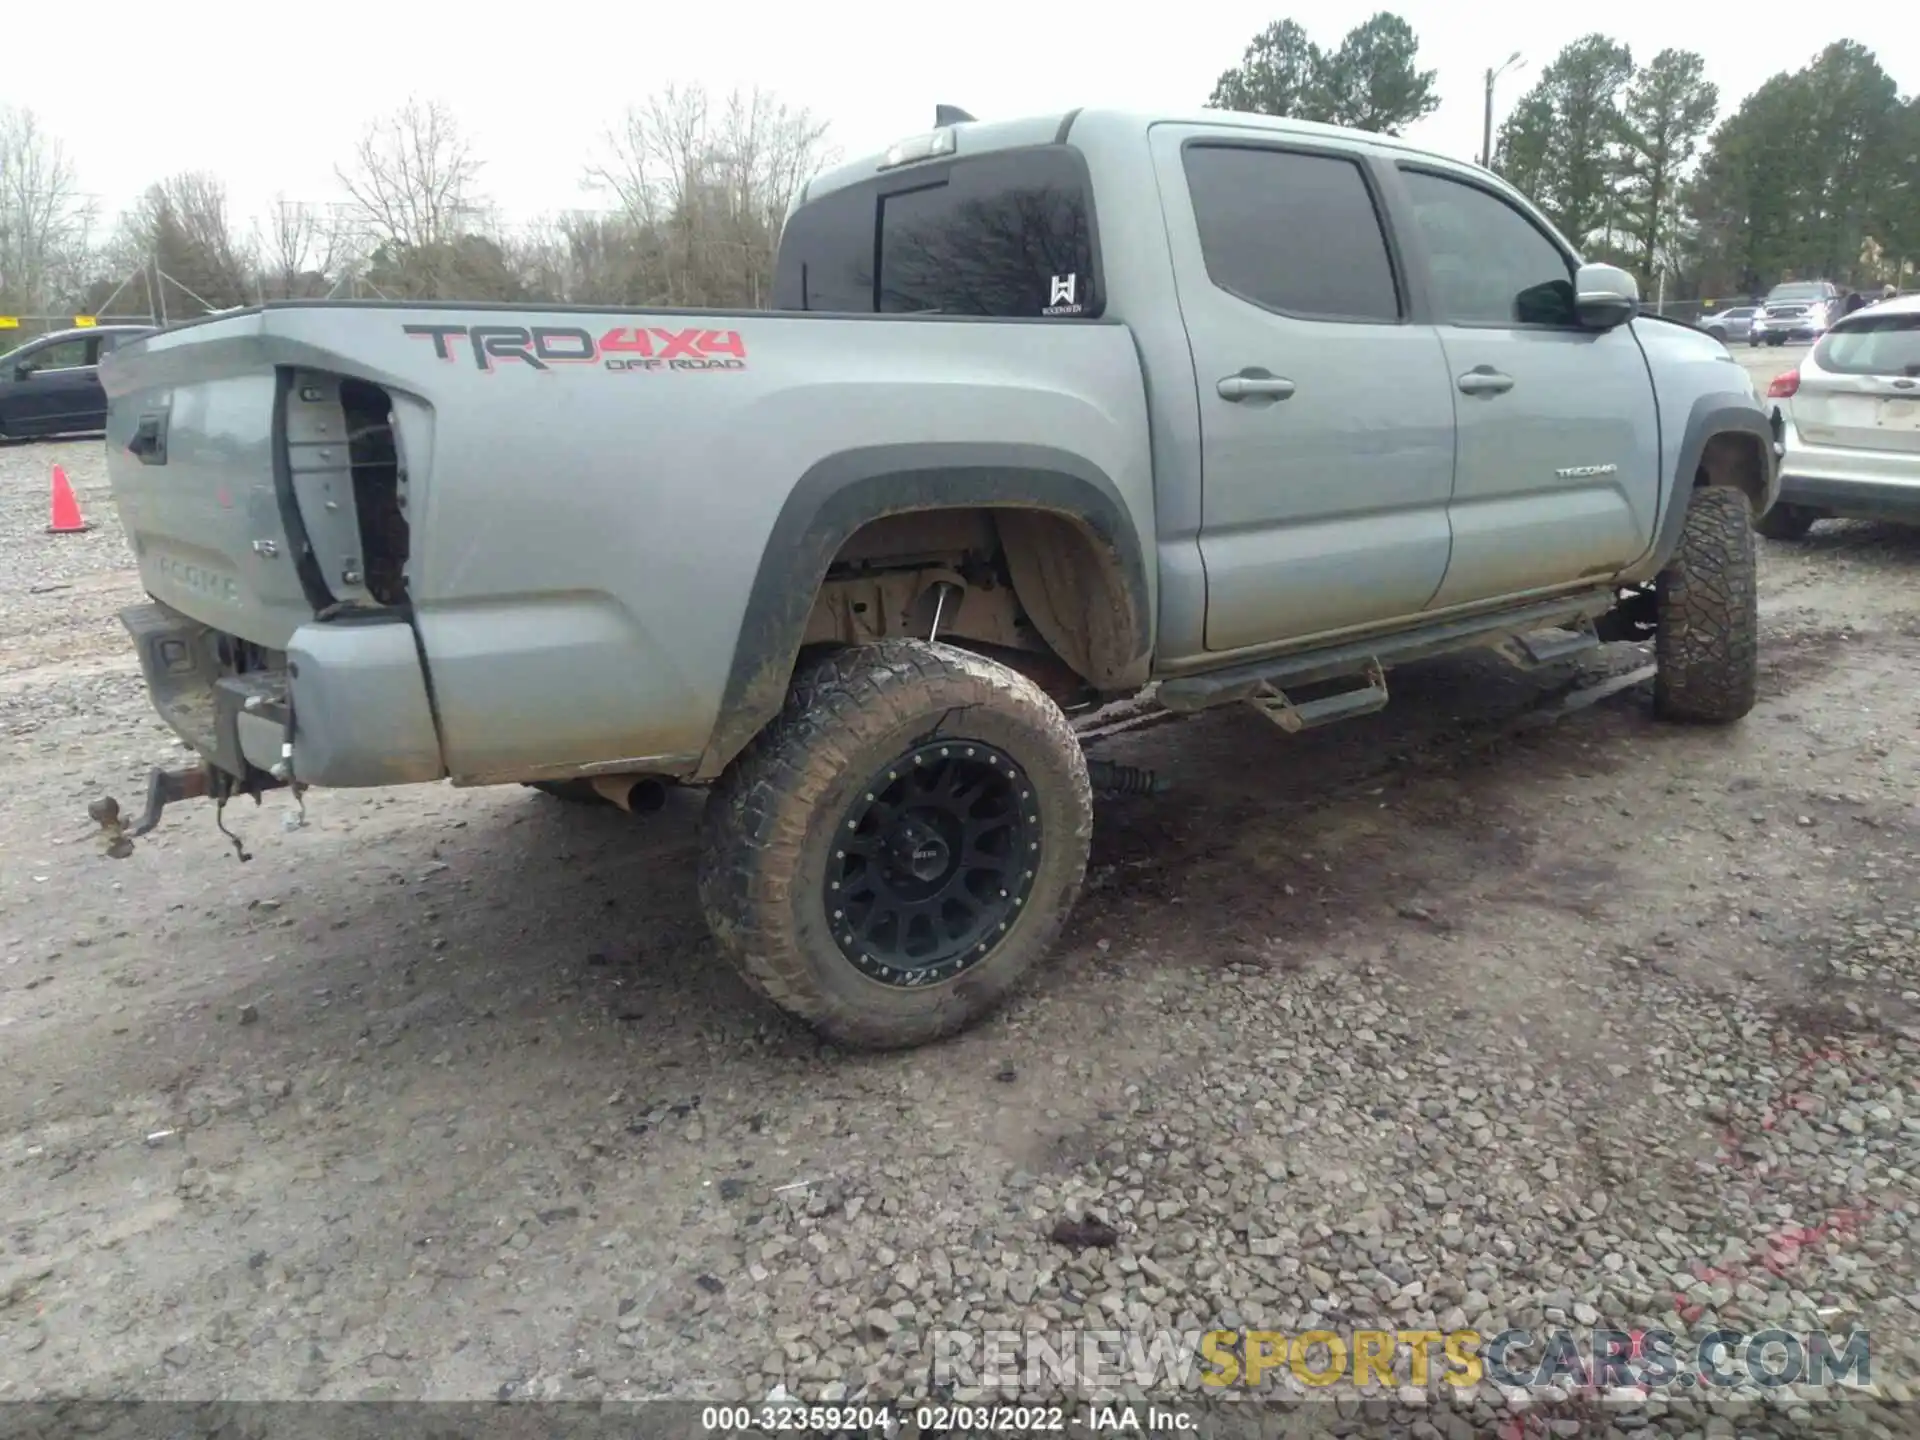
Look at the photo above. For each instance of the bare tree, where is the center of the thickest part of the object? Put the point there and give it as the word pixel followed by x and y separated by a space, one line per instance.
pixel 44 220
pixel 303 247
pixel 584 258
pixel 712 183
pixel 183 225
pixel 411 183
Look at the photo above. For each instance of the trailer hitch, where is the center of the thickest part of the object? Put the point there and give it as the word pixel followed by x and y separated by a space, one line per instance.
pixel 164 788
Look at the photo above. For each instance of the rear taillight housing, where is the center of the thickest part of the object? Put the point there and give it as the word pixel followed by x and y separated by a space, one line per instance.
pixel 1784 386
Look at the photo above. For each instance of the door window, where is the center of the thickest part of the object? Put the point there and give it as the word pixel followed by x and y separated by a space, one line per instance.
pixel 62 355
pixel 1292 232
pixel 1489 263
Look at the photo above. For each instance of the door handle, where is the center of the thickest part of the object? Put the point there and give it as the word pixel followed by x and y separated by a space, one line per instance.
pixel 1254 385
pixel 1484 380
pixel 149 442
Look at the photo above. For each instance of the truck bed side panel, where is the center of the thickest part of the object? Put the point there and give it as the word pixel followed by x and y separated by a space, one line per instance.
pixel 585 531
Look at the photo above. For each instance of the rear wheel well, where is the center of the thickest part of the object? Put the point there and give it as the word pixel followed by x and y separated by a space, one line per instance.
pixel 1036 589
pixel 1735 458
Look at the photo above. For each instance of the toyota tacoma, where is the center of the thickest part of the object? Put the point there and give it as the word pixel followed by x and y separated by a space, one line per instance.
pixel 1047 412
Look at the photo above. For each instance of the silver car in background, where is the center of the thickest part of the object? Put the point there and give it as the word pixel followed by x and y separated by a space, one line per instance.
pixel 1846 424
pixel 1727 326
pixel 1796 310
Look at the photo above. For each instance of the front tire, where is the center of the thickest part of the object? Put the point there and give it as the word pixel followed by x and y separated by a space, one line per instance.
pixel 901 845
pixel 1707 644
pixel 1786 522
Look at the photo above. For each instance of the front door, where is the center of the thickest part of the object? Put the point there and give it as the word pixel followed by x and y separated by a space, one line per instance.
pixel 54 388
pixel 1558 469
pixel 1326 414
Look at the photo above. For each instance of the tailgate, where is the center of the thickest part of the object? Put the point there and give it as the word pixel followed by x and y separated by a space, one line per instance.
pixel 262 493
pixel 255 495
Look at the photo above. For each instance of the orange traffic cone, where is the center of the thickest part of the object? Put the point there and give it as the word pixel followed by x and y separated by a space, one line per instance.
pixel 66 509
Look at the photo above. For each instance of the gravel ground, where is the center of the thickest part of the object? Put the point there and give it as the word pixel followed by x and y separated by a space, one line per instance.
pixel 1428 1021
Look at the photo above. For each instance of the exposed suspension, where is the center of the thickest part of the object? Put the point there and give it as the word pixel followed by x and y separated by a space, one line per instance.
pixel 1109 778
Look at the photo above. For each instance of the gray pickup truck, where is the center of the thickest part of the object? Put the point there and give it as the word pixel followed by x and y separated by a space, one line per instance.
pixel 1047 411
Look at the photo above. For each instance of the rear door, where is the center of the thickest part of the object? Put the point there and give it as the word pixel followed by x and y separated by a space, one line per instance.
pixel 1325 410
pixel 1557 474
pixel 1861 387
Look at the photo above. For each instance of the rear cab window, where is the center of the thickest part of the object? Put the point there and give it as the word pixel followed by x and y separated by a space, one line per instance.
pixel 1870 344
pixel 1008 234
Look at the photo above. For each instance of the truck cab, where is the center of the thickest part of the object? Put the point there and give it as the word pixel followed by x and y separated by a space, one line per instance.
pixel 1378 389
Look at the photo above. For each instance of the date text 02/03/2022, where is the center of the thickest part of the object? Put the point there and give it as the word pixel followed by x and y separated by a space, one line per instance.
pixel 944 1419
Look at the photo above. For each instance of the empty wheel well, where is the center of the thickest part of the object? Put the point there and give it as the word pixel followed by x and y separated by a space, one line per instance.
pixel 1025 552
pixel 1037 583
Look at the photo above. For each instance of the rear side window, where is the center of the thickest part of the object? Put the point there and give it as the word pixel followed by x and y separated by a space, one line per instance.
pixel 1872 345
pixel 1291 232
pixel 1009 234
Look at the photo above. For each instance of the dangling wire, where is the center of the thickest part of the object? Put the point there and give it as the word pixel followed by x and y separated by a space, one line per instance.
pixel 220 820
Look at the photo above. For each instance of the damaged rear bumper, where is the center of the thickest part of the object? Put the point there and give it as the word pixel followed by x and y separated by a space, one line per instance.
pixel 344 705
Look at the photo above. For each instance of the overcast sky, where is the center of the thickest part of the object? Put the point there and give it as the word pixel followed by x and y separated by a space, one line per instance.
pixel 272 96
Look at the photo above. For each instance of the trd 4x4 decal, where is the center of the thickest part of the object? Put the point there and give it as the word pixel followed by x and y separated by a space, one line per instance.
pixel 625 347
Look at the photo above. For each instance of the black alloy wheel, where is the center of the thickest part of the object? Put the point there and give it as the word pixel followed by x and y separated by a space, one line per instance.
pixel 933 863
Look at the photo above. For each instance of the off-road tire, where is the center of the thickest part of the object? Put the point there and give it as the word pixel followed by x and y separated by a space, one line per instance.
pixel 1786 522
pixel 773 815
pixel 1707 640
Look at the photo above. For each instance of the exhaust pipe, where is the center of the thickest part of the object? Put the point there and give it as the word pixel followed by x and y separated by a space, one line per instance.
pixel 635 794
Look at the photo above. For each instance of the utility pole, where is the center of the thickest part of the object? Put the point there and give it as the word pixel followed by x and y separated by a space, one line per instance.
pixel 1486 127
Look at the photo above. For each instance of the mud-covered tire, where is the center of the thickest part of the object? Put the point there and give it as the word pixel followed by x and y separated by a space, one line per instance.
pixel 1786 522
pixel 1707 641
pixel 774 815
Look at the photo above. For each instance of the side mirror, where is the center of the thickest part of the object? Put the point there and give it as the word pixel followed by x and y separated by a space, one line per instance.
pixel 1605 296
pixel 23 371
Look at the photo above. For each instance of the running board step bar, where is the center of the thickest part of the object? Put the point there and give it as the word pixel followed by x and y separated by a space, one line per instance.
pixel 1544 647
pixel 1355 658
pixel 1294 716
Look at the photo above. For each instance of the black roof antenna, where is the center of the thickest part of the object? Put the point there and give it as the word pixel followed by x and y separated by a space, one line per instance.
pixel 949 115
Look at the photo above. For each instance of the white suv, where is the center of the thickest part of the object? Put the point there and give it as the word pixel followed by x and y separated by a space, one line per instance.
pixel 1846 424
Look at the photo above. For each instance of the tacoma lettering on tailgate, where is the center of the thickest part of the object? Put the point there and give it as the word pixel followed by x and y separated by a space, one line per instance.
pixel 199 579
pixel 625 347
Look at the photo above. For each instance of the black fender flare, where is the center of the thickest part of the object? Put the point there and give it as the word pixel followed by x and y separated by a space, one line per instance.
pixel 845 491
pixel 1711 415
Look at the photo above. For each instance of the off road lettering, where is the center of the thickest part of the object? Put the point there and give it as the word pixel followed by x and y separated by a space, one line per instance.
pixel 625 347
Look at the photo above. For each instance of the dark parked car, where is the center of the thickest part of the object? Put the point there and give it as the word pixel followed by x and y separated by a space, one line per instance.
pixel 51 386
